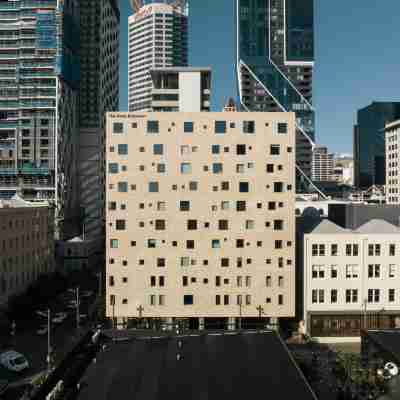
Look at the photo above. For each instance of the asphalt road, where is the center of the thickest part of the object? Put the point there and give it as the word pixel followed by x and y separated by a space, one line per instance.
pixel 34 347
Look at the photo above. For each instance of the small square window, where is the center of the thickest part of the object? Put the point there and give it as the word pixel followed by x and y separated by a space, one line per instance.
pixel 190 244
pixel 243 187
pixel 193 186
pixel 152 127
pixel 161 168
pixel 248 127
pixel 184 205
pixel 224 185
pixel 122 187
pixel 133 243
pixel 226 149
pixel 120 225
pixel 186 168
pixel 188 127
pixel 240 149
pixel 153 187
pixel 118 127
pixel 215 149
pixel 270 168
pixel 192 224
pixel 122 149
pixel 141 149
pixel 113 168
pixel 282 128
pixel 224 262
pixel 275 150
pixel 134 125
pixel 220 127
pixel 188 299
pixel 160 225
pixel 223 225
pixel 158 149
pixel 217 168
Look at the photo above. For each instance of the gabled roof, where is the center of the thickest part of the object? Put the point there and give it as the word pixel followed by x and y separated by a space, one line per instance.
pixel 378 226
pixel 328 227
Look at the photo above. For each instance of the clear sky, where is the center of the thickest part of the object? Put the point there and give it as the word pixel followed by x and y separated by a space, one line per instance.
pixel 357 46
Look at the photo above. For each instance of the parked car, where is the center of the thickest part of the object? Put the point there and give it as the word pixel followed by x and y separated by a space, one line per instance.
pixel 13 361
pixel 42 330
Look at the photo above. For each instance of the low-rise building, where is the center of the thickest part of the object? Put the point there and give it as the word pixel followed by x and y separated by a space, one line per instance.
pixel 26 245
pixel 351 278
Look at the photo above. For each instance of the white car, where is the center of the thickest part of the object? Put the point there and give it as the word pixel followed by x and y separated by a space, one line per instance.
pixel 13 361
pixel 42 330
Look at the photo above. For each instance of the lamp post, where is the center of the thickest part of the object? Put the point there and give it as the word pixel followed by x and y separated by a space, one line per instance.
pixel 240 311
pixel 365 314
pixel 48 358
pixel 260 312
pixel 77 309
pixel 140 310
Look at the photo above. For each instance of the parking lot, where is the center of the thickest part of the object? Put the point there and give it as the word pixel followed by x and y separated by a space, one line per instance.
pixel 30 337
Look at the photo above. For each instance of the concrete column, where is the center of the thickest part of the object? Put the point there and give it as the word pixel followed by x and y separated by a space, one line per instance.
pixel 201 324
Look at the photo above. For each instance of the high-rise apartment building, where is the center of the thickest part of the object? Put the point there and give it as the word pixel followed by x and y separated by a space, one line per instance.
pixel 369 143
pixel 59 73
pixel 322 164
pixel 392 152
pixel 200 215
pixel 275 60
pixel 99 93
pixel 184 89
pixel 39 84
pixel 157 39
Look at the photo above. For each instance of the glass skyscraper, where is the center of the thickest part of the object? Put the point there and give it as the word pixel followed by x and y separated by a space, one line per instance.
pixel 275 60
pixel 369 143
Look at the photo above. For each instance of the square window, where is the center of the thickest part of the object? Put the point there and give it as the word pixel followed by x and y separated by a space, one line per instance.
pixel 188 127
pixel 271 205
pixel 243 187
pixel 160 262
pixel 278 187
pixel 141 149
pixel 153 187
pixel 190 244
pixel 193 186
pixel 270 168
pixel 224 185
pixel 120 225
pixel 118 127
pixel 215 149
pixel 225 205
pixel 226 149
pixel 112 205
pixel 134 125
pixel 282 128
pixel 248 127
pixel 217 168
pixel 112 149
pixel 133 243
pixel 223 225
pixel 114 243
pixel 275 150
pixel 240 168
pixel 152 127
pixel 188 299
pixel 278 225
pixel 215 244
pixel 158 149
pixel 113 168
pixel 161 168
pixel 239 243
pixel 184 205
pixel 160 224
pixel 185 149
pixel 186 168
pixel 192 224
pixel 151 243
pixel 220 127
pixel 122 187
pixel 122 149
pixel 250 224
pixel 224 262
pixel 240 149
pixel 240 206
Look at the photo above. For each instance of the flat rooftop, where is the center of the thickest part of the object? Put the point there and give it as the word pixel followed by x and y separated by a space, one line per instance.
pixel 180 69
pixel 211 366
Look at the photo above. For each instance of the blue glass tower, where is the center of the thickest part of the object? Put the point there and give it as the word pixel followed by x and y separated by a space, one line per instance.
pixel 275 60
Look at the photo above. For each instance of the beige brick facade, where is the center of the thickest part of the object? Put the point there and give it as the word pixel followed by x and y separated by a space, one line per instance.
pixel 26 246
pixel 200 222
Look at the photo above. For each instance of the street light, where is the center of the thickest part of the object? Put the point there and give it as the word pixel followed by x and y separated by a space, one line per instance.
pixel 140 310
pixel 48 342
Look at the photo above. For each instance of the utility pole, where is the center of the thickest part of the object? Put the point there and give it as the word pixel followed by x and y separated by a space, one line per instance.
pixel 48 342
pixel 77 309
pixel 140 310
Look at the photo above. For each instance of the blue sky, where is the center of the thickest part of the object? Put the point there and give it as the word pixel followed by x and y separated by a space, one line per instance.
pixel 357 58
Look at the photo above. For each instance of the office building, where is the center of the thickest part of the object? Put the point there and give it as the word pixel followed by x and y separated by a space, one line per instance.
pixel 392 151
pixel 275 48
pixel 183 89
pixel 350 278
pixel 26 245
pixel 343 170
pixel 369 143
pixel 200 215
pixel 322 164
pixel 157 39
pixel 39 96
pixel 99 93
